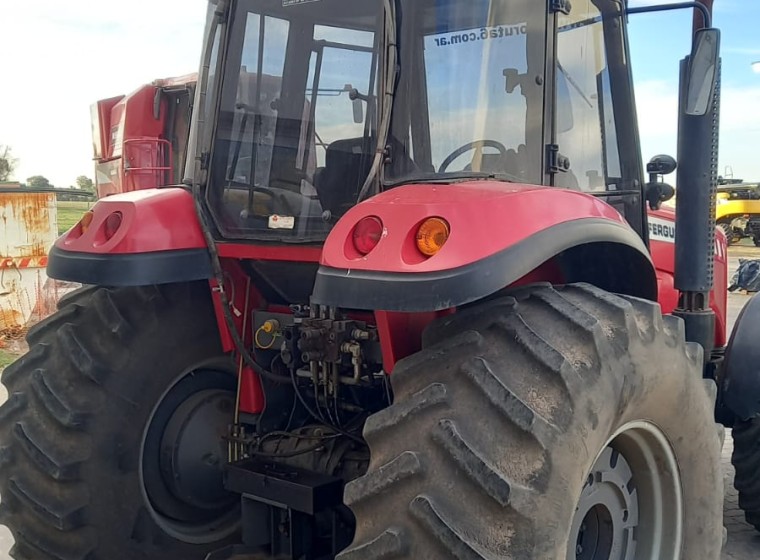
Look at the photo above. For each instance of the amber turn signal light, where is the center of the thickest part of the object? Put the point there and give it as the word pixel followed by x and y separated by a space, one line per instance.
pixel 86 220
pixel 432 236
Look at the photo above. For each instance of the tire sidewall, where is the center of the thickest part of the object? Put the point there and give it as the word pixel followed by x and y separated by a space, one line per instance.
pixel 656 393
pixel 170 337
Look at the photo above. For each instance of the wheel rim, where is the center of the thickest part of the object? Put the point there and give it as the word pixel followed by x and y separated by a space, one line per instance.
pixel 182 455
pixel 631 506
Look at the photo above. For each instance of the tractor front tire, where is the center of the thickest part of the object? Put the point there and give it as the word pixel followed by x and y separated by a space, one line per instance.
pixel 731 237
pixel 558 423
pixel 111 438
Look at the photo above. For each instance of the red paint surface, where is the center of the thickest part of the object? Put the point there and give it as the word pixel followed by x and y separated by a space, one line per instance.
pixel 291 253
pixel 236 281
pixel 663 255
pixel 105 115
pixel 133 153
pixel 152 220
pixel 401 333
pixel 252 400
pixel 485 218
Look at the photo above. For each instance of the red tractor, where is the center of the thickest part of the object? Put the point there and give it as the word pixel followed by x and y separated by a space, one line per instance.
pixel 404 305
pixel 140 139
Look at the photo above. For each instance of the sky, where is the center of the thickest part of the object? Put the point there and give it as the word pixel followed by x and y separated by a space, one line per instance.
pixel 61 56
pixel 659 41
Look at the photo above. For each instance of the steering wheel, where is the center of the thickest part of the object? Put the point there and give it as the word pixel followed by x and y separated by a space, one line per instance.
pixel 281 203
pixel 478 146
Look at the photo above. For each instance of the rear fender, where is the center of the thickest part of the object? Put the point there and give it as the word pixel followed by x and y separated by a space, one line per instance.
pixel 741 372
pixel 499 233
pixel 159 241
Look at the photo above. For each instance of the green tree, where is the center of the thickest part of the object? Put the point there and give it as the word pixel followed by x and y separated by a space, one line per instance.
pixel 7 163
pixel 85 183
pixel 38 182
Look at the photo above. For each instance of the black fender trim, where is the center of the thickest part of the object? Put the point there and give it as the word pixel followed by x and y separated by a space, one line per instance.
pixel 434 291
pixel 740 386
pixel 140 269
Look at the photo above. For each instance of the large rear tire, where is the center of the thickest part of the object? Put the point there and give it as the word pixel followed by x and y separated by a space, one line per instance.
pixel 111 438
pixel 564 423
pixel 746 461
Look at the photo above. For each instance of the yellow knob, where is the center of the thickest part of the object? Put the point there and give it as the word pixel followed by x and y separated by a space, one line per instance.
pixel 270 326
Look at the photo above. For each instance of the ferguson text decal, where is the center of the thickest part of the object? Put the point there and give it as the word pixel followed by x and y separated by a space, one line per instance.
pixel 662 230
pixel 665 231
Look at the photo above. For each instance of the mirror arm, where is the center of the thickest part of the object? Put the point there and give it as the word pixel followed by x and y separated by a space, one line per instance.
pixel 677 6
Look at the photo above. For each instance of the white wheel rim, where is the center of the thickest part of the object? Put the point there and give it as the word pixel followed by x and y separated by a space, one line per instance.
pixel 630 509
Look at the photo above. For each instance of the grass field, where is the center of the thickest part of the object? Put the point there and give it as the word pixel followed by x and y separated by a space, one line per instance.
pixel 69 214
pixel 6 358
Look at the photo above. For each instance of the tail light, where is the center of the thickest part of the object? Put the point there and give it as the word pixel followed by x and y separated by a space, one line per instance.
pixel 85 221
pixel 367 234
pixel 112 225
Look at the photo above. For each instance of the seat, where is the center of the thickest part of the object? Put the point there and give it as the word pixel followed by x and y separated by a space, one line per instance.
pixel 339 181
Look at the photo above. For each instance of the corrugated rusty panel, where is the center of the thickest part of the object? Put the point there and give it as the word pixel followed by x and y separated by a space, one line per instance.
pixel 28 223
pixel 28 229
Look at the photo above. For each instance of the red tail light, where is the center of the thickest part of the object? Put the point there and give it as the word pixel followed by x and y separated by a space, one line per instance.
pixel 367 234
pixel 112 225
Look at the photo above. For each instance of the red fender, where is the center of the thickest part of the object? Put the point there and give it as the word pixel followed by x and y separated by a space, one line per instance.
pixel 151 220
pixel 485 217
pixel 499 232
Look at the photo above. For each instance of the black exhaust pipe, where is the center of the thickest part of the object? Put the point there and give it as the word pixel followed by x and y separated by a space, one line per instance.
pixel 698 135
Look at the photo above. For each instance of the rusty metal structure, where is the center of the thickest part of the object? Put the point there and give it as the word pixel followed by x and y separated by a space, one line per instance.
pixel 28 229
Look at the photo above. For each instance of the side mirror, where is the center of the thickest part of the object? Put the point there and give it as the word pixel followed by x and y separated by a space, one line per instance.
pixel 661 165
pixel 356 98
pixel 358 111
pixel 702 72
pixel 512 79
pixel 656 191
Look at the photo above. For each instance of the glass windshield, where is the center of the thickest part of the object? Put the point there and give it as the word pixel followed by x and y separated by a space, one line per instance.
pixel 297 118
pixel 471 100
pixel 297 131
pixel 587 132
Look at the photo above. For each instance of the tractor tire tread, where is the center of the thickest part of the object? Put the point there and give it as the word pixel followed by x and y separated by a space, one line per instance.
pixel 519 367
pixel 746 461
pixel 56 392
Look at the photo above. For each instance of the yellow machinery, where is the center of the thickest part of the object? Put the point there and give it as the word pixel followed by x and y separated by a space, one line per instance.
pixel 738 211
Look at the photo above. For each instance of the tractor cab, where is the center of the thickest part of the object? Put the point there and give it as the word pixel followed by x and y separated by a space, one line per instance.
pixel 356 98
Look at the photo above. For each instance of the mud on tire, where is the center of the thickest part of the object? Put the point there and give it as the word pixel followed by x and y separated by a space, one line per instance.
pixel 746 461
pixel 498 420
pixel 78 405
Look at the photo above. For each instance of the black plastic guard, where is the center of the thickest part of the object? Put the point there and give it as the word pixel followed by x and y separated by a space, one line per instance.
pixel 741 375
pixel 141 269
